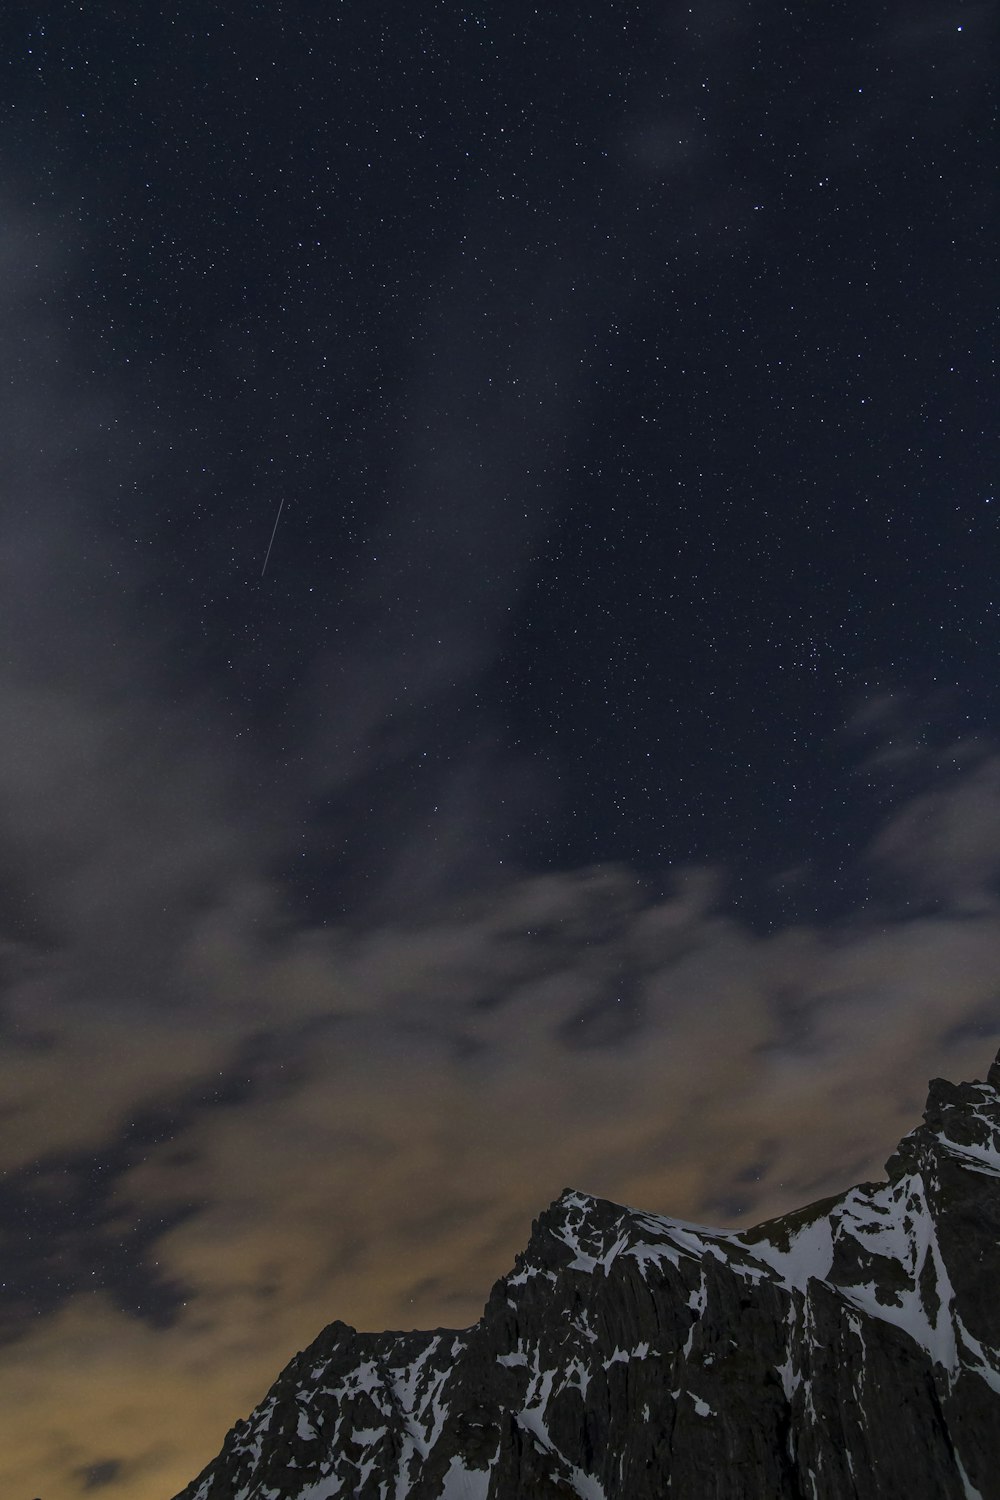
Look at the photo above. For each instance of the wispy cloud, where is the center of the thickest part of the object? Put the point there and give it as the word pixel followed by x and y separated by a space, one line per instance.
pixel 419 1092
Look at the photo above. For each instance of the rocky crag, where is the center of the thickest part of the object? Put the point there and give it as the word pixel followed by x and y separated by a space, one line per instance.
pixel 850 1349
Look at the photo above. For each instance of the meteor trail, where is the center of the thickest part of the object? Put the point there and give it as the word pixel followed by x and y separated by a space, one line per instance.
pixel 271 542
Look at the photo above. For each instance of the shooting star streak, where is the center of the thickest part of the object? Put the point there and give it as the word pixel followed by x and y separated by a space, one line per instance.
pixel 271 542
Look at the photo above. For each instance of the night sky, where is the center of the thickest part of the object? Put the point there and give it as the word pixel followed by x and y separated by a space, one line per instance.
pixel 600 786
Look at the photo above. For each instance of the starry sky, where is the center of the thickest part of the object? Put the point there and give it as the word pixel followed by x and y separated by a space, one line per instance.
pixel 599 786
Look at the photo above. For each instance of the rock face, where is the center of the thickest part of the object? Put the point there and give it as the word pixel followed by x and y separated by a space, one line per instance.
pixel 850 1349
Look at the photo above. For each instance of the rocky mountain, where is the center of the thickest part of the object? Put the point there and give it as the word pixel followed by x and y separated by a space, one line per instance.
pixel 850 1349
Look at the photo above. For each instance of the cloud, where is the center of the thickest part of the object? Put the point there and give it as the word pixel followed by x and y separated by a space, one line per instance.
pixel 234 1121
pixel 946 841
pixel 228 1123
pixel 422 1092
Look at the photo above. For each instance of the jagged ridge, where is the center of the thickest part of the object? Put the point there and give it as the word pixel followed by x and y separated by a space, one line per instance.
pixel 850 1349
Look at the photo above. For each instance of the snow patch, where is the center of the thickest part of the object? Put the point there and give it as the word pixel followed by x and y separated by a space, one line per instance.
pixel 461 1483
pixel 809 1254
pixel 971 1493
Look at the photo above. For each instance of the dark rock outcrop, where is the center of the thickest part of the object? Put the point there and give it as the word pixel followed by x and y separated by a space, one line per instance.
pixel 851 1349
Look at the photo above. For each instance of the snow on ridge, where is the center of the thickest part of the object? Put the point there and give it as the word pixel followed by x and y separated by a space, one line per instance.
pixel 526 1274
pixel 575 1219
pixel 888 1222
pixel 978 1158
pixel 904 1233
pixel 644 1253
pixel 681 1230
pixel 977 1358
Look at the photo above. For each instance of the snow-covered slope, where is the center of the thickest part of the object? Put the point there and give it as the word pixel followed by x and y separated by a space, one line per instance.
pixel 851 1349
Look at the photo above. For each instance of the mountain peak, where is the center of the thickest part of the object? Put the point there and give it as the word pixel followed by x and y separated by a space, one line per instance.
pixel 961 1120
pixel 849 1348
pixel 993 1076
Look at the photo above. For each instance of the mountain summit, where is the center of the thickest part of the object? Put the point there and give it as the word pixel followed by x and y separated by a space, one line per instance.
pixel 849 1349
